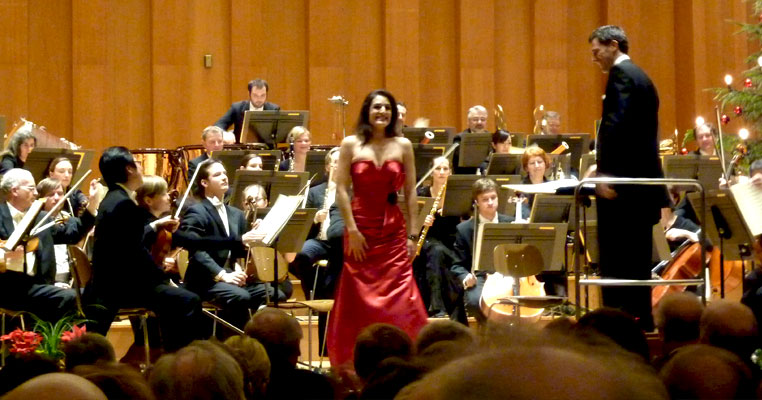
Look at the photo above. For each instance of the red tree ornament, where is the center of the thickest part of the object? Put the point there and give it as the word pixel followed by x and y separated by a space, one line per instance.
pixel 738 110
pixel 725 119
pixel 747 82
pixel 683 151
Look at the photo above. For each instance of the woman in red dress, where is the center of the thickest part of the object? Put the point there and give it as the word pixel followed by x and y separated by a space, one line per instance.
pixel 377 283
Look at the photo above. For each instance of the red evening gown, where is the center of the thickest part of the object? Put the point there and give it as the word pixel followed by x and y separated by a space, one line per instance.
pixel 381 288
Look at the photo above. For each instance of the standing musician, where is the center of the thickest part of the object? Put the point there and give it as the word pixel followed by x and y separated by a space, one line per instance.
pixel 484 194
pixel 301 140
pixel 60 168
pixel 439 288
pixel 214 274
pixel 626 147
pixel 124 273
pixel 211 138
pixel 477 123
pixel 258 90
pixel 501 144
pixel 35 291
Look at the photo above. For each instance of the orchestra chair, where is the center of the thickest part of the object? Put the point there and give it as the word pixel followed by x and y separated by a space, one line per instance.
pixel 264 259
pixel 521 261
pixel 82 272
pixel 12 314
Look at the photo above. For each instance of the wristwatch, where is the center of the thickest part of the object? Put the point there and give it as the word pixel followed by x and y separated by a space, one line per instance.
pixel 412 237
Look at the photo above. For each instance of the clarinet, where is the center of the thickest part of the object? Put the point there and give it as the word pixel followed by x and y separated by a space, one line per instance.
pixel 425 230
pixel 323 233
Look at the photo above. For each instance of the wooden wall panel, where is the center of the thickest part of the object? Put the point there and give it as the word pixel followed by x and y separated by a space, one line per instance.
pixel 402 39
pixel 439 64
pixel 551 74
pixel 514 66
pixel 14 80
pixel 586 83
pixel 477 57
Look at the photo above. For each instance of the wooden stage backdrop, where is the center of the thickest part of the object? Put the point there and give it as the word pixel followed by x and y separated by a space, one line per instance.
pixel 130 72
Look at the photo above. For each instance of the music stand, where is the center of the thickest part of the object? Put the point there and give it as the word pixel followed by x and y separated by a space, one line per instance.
pixel 424 208
pixel 503 194
pixel 555 160
pixel 705 169
pixel 458 197
pixel 424 155
pixel 231 159
pixel 274 182
pixel 504 164
pixel 585 162
pixel 271 127
pixel 519 139
pixel 37 161
pixel 442 135
pixel 474 148
pixel 550 208
pixel 578 144
pixel 315 165
pixel 550 239
pixel 291 239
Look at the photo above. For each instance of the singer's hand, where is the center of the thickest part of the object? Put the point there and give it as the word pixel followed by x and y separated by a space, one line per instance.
pixel 356 244
pixel 411 246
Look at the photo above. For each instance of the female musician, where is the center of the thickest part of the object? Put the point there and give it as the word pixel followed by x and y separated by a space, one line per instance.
pixel 251 162
pixel 432 266
pixel 19 147
pixel 376 284
pixel 302 140
pixel 501 144
pixel 705 135
pixel 60 168
pixel 153 198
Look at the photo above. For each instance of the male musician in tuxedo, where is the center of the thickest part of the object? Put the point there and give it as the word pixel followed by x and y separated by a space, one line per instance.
pixel 215 274
pixel 484 194
pixel 258 90
pixel 477 123
pixel 36 291
pixel 124 274
pixel 212 139
pixel 552 123
pixel 627 146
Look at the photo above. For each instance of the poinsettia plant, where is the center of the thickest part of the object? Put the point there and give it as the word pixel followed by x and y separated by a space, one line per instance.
pixel 46 337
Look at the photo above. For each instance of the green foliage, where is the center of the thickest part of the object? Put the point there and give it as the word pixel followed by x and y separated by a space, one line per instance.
pixel 729 142
pixel 52 333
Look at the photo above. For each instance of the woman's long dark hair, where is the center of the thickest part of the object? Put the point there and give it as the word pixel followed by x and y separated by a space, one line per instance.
pixel 364 128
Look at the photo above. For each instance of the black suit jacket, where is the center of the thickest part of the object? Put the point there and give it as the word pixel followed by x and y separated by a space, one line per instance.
pixel 122 266
pixel 202 219
pixel 67 233
pixel 628 137
pixel 234 116
pixel 194 163
pixel 464 242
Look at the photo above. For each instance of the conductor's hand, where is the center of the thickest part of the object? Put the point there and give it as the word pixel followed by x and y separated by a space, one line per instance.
pixel 237 278
pixel 320 216
pixel 253 236
pixel 605 191
pixel 94 196
pixel 357 245
pixel 428 221
pixel 469 281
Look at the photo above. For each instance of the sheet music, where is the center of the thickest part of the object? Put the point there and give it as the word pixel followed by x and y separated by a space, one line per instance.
pixel 748 198
pixel 23 226
pixel 279 214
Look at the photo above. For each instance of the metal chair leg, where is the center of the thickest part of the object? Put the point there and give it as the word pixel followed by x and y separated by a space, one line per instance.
pixel 309 336
pixel 325 338
pixel 146 346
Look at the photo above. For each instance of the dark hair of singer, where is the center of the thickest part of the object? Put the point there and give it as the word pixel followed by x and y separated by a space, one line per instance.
pixel 364 128
pixel 113 165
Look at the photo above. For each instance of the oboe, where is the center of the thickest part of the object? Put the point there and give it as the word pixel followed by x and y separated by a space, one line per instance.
pixel 425 230
pixel 323 234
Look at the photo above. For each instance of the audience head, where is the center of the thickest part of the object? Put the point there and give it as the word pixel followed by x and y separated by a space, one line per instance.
pixel 61 168
pixel 118 166
pixel 251 162
pixel 677 316
pixel 440 331
pixel 378 342
pixel 501 142
pixel 21 144
pixel 21 369
pixel 88 349
pixel 607 43
pixel 477 119
pixel 553 123
pixel 56 386
pixel 153 195
pixel 389 377
pixel 378 111
pixel 17 186
pixel 252 357
pixel 212 138
pixel 619 326
pixel 51 190
pixel 258 92
pixel 706 372
pixel 729 325
pixel 279 333
pixel 212 179
pixel 116 381
pixel 201 370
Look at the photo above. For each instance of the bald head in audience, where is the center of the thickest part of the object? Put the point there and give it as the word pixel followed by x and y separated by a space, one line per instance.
pixel 677 317
pixel 706 372
pixel 56 386
pixel 729 325
pixel 279 332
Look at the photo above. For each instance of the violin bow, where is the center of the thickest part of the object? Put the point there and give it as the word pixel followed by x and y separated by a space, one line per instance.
pixel 39 227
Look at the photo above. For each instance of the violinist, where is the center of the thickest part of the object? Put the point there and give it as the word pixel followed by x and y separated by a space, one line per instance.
pixel 52 191
pixel 153 198
pixel 438 286
pixel 211 138
pixel 300 139
pixel 60 168
pixel 19 147
pixel 501 144
pixel 34 291
pixel 215 274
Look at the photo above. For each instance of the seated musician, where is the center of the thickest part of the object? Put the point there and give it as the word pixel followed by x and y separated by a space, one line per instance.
pixel 552 124
pixel 124 273
pixel 52 191
pixel 215 274
pixel 251 162
pixel 535 162
pixel 438 288
pixel 301 140
pixel 484 194
pixel 477 123
pixel 60 168
pixel 19 147
pixel 257 101
pixel 211 138
pixel 35 291
pixel 705 135
pixel 501 144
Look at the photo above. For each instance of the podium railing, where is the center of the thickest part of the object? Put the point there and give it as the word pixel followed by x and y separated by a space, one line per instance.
pixel 630 282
